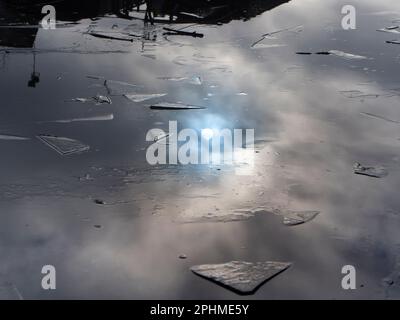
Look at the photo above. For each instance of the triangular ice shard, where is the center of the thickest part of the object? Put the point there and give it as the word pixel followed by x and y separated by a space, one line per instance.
pixel 240 276
pixel 64 146
pixel 116 88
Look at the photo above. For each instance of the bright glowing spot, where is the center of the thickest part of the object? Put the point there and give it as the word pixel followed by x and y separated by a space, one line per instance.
pixel 207 133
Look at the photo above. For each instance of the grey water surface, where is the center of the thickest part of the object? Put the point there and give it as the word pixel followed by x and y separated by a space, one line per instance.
pixel 114 226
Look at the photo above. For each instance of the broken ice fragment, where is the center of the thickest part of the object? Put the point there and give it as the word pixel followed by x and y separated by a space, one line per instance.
pixel 337 53
pixel 182 33
pixel 64 146
pixel 196 81
pixel 237 215
pixel 177 79
pixel 296 29
pixel 222 216
pixel 298 217
pixel 375 172
pixel 270 35
pixel 118 87
pixel 359 94
pixel 346 55
pixel 95 77
pixel 61 50
pixel 83 100
pixel 98 99
pixel 108 37
pixel 240 276
pixel 190 14
pixel 144 97
pixel 393 41
pixel 102 99
pixel 174 106
pixel 392 29
pixel 12 137
pixel 106 117
pixel 267 46
pixel 371 115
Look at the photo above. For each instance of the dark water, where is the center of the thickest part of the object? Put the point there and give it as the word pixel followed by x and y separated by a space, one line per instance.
pixel 310 110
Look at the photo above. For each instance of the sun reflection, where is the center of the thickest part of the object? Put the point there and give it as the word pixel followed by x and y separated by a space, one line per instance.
pixel 207 133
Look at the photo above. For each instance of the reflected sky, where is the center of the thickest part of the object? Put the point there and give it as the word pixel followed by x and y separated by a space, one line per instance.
pixel 308 111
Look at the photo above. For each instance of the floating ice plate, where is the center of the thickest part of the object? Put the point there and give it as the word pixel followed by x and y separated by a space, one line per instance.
pixel 64 146
pixel 240 276
pixel 375 172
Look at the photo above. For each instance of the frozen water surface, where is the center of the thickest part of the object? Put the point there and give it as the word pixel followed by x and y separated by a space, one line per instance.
pixel 114 226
